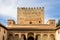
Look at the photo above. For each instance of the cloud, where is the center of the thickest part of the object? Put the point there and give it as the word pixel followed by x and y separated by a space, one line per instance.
pixel 9 2
pixel 8 8
pixel 8 11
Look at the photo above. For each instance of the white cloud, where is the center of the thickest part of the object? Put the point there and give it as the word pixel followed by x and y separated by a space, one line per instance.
pixel 8 8
pixel 8 11
pixel 9 2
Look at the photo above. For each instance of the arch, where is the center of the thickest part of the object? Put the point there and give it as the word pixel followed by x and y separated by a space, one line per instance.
pixel 30 38
pixel 30 33
pixel 38 37
pixel 23 37
pixel 10 36
pixel 16 37
pixel 45 37
pixel 40 20
pixel 52 37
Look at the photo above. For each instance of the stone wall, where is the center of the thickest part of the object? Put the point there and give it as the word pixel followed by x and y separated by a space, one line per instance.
pixel 58 34
pixel 3 33
pixel 33 15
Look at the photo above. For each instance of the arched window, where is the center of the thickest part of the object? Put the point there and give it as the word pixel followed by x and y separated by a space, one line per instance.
pixel 10 34
pixel 16 37
pixel 30 33
pixel 23 37
pixel 4 31
pixel 39 21
pixel 45 37
pixel 10 37
pixel 52 37
pixel 38 37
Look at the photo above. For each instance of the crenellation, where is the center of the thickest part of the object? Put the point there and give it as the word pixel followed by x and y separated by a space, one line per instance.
pixel 31 8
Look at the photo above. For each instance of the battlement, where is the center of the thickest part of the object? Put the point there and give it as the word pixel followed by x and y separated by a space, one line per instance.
pixel 31 8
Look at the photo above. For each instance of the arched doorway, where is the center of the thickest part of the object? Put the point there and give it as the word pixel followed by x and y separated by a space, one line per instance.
pixel 30 38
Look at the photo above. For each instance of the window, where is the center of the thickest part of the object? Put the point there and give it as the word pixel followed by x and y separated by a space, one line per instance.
pixel 10 34
pixel 45 37
pixel 39 21
pixel 4 31
pixel 16 35
pixel 23 37
pixel 30 22
pixel 52 37
pixel 38 37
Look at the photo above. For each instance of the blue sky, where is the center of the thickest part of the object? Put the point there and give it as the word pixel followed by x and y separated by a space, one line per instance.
pixel 8 8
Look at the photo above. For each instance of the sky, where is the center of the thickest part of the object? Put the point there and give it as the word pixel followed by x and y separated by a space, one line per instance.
pixel 8 9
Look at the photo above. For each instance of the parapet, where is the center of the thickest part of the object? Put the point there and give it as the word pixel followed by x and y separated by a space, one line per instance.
pixel 33 8
pixel 51 22
pixel 11 22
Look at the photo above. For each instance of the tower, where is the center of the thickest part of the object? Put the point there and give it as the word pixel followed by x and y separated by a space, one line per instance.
pixel 30 15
